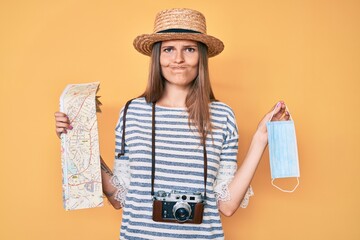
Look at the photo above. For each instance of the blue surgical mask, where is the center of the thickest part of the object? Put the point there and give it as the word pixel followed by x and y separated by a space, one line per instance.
pixel 284 162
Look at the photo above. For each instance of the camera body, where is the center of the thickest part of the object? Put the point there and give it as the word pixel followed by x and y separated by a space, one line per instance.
pixel 179 207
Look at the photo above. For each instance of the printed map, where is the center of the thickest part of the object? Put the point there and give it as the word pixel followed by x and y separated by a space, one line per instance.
pixel 80 155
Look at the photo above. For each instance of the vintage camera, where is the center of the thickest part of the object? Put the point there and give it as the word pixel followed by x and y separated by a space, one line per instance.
pixel 180 207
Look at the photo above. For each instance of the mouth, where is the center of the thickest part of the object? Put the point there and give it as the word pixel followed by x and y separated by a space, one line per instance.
pixel 178 68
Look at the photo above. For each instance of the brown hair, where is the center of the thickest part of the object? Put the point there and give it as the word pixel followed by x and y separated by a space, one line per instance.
pixel 199 96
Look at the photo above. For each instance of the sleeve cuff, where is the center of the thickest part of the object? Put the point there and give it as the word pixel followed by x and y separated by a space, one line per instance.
pixel 121 191
pixel 222 194
pixel 245 202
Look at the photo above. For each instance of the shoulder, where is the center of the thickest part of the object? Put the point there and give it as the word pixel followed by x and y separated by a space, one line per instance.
pixel 221 113
pixel 221 108
pixel 137 109
pixel 136 104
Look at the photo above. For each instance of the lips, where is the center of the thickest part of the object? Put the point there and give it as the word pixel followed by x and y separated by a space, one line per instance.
pixel 178 68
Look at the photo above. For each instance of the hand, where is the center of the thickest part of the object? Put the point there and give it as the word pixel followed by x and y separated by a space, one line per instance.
pixel 277 113
pixel 62 123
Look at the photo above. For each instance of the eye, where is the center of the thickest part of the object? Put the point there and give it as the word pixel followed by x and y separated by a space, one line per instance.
pixel 168 49
pixel 190 49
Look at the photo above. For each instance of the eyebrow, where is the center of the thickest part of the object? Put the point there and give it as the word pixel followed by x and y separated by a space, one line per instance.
pixel 185 46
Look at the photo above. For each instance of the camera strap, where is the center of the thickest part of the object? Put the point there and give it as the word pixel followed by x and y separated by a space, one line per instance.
pixel 122 151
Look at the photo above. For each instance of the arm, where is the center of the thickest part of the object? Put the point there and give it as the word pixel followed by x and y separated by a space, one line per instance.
pixel 243 176
pixel 108 189
pixel 62 125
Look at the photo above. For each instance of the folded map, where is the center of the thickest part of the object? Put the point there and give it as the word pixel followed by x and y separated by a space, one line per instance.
pixel 80 155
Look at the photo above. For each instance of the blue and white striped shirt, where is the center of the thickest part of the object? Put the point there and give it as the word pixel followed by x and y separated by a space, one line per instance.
pixel 179 166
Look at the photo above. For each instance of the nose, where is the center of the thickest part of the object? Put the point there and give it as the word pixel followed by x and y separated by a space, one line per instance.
pixel 179 57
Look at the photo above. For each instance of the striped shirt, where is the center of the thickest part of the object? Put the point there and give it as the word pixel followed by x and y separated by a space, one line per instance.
pixel 179 166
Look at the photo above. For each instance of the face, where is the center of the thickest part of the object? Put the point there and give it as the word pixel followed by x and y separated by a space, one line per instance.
pixel 179 61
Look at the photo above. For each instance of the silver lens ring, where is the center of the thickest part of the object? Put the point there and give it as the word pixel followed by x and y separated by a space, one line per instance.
pixel 182 211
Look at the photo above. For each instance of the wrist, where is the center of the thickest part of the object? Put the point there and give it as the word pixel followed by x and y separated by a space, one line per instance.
pixel 260 138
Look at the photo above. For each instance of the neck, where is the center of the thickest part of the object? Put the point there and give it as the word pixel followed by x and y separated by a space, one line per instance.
pixel 174 96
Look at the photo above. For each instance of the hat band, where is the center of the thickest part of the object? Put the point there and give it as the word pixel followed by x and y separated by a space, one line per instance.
pixel 177 30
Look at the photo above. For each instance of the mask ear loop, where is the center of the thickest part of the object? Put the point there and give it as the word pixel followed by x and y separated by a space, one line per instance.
pixel 272 180
pixel 284 190
pixel 286 108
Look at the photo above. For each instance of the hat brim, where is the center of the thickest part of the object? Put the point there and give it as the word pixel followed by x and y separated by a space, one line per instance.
pixel 144 43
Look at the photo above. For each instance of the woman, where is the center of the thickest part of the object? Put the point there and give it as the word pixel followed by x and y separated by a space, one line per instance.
pixel 178 125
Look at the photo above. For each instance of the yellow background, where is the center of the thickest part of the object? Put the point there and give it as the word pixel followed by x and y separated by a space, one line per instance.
pixel 304 52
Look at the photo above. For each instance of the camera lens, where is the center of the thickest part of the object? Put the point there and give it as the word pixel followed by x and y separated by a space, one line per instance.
pixel 181 211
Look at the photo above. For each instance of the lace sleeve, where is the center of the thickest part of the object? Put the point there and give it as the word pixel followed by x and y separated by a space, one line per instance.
pixel 222 193
pixel 120 181
pixel 224 177
pixel 228 165
pixel 121 177
pixel 228 159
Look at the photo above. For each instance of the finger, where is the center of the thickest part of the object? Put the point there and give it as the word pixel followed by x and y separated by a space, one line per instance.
pixel 286 116
pixel 60 130
pixel 278 111
pixel 63 125
pixel 61 117
pixel 280 114
pixel 62 120
pixel 59 114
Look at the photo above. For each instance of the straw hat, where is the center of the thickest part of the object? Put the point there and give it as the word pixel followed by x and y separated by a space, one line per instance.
pixel 179 24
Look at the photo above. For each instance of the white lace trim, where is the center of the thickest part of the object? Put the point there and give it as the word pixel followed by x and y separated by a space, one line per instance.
pixel 222 192
pixel 224 195
pixel 121 191
pixel 245 202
